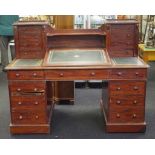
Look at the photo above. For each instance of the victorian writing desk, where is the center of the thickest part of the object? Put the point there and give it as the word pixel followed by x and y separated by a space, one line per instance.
pixel 44 54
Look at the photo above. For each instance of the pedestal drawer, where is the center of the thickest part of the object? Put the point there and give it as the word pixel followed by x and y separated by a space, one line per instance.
pixel 27 86
pixel 28 117
pixel 28 103
pixel 127 88
pixel 121 101
pixel 126 115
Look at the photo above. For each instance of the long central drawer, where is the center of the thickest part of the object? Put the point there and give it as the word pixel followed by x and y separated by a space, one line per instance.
pixel 77 74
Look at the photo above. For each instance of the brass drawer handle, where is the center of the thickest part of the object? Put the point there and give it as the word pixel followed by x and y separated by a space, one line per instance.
pixel 19 103
pixel 92 73
pixel 20 117
pixel 134 116
pixel 118 115
pixel 36 103
pixel 119 73
pixel 36 116
pixel 135 88
pixel 118 102
pixel 118 88
pixel 61 74
pixel 17 74
pixel 18 89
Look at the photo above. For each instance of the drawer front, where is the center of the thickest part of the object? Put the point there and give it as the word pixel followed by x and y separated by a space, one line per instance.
pixel 128 74
pixel 127 88
pixel 26 103
pixel 127 115
pixel 25 75
pixel 27 87
pixel 113 52
pixel 76 74
pixel 122 101
pixel 22 117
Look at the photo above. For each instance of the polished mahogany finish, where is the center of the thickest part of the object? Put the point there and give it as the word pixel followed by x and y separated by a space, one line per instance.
pixel 33 89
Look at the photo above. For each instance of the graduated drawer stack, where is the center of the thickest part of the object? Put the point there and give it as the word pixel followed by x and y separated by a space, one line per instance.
pixel 126 108
pixel 28 102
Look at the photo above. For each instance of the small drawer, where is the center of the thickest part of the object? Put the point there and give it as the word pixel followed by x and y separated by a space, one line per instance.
pixel 27 87
pixel 126 115
pixel 28 117
pixel 129 74
pixel 26 103
pixel 76 74
pixel 122 101
pixel 25 75
pixel 127 88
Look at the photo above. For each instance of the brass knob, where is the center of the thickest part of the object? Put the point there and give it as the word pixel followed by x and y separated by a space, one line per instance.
pixel 36 103
pixel 118 102
pixel 17 74
pixel 135 88
pixel 61 74
pixel 128 43
pixel 18 89
pixel 134 116
pixel 35 89
pixel 34 74
pixel 118 115
pixel 135 102
pixel 19 103
pixel 36 116
pixel 93 73
pixel 118 88
pixel 20 117
pixel 119 73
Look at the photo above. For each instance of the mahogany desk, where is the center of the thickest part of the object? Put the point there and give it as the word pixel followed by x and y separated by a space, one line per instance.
pixel 38 61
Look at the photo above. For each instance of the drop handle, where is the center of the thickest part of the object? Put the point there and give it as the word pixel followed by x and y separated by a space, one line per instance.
pixel 20 117
pixel 134 116
pixel 135 88
pixel 92 74
pixel 61 74
pixel 118 102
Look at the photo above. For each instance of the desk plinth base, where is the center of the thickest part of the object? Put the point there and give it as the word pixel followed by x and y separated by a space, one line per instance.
pixel 29 129
pixel 122 127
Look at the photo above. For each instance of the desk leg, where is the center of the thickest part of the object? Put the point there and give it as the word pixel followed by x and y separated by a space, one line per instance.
pixel 124 106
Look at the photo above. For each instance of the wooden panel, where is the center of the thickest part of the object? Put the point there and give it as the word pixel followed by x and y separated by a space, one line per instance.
pixel 25 75
pixel 76 74
pixel 76 41
pixel 127 88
